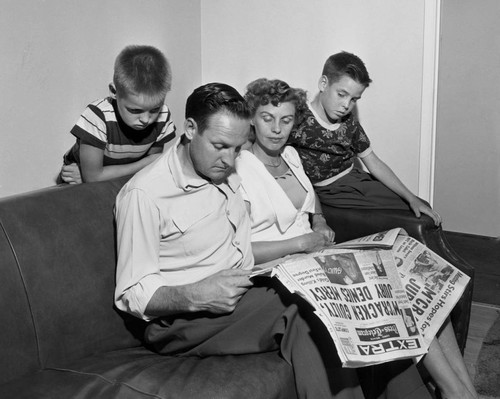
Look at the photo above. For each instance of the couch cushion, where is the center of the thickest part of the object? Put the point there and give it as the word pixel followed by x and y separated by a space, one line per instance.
pixel 64 244
pixel 18 345
pixel 138 373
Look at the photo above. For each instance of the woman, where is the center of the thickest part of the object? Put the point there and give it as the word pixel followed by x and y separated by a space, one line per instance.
pixel 286 218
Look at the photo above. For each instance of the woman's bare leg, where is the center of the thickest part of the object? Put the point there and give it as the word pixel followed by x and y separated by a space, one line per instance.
pixel 445 364
pixel 448 342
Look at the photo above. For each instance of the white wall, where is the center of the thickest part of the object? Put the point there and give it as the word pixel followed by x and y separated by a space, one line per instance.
pixel 57 56
pixel 468 125
pixel 290 39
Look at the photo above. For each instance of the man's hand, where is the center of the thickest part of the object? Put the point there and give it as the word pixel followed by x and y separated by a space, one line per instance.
pixel 71 174
pixel 220 292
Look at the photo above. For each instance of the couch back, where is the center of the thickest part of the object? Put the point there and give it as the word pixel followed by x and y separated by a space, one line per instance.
pixel 57 264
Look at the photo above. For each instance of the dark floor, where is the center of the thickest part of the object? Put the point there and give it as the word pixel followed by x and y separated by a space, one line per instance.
pixel 483 253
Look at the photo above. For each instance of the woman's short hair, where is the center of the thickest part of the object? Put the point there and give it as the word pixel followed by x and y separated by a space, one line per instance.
pixel 265 91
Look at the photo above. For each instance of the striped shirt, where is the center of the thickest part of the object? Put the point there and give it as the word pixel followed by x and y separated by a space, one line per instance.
pixel 101 126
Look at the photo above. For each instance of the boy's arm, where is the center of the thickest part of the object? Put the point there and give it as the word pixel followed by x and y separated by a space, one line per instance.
pixel 91 165
pixel 384 174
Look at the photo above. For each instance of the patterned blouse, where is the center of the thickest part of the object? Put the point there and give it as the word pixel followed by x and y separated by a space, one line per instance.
pixel 327 150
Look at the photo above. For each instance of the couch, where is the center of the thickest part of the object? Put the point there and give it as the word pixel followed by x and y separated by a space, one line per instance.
pixel 62 336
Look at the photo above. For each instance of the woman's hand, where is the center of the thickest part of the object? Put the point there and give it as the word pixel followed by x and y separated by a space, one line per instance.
pixel 312 242
pixel 319 225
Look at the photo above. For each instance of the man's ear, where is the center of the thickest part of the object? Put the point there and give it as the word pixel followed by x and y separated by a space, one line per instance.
pixel 190 128
pixel 322 83
pixel 112 91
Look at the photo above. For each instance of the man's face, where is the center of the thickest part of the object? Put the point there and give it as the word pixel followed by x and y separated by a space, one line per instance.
pixel 214 150
pixel 138 111
pixel 339 98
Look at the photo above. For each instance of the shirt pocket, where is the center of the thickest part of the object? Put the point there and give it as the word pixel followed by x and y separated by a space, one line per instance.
pixel 191 219
pixel 202 231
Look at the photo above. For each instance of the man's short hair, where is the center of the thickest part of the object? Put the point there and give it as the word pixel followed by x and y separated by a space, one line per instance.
pixel 344 63
pixel 213 98
pixel 142 70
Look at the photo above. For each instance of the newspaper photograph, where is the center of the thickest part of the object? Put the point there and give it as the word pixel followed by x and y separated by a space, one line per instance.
pixel 432 284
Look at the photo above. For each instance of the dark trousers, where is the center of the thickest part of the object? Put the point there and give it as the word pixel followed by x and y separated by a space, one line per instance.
pixel 359 189
pixel 269 318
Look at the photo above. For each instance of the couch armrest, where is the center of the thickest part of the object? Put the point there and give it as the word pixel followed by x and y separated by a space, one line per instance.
pixel 355 223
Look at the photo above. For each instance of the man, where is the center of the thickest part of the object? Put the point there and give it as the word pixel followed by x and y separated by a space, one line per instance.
pixel 184 255
pixel 201 259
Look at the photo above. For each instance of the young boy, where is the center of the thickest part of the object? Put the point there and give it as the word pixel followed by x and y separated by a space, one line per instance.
pixel 329 139
pixel 120 134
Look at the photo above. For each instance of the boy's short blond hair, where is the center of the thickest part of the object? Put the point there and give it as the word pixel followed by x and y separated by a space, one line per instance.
pixel 143 70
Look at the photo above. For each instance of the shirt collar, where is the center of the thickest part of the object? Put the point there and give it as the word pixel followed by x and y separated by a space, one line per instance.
pixel 289 159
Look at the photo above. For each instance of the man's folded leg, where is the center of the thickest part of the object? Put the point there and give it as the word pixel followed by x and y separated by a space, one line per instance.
pixel 267 318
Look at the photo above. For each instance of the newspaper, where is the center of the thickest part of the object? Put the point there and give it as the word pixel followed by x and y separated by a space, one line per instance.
pixel 382 297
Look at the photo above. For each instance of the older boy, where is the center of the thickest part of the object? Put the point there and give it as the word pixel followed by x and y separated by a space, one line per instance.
pixel 120 134
pixel 330 138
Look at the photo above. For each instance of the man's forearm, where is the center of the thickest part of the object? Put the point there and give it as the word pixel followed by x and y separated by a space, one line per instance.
pixel 169 300
pixel 218 293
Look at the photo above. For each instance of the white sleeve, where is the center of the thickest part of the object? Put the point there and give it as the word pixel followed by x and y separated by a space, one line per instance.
pixel 138 244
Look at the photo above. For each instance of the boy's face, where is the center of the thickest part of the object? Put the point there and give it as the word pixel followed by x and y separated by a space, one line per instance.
pixel 339 98
pixel 138 111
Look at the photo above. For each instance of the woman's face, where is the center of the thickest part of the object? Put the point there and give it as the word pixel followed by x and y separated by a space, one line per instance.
pixel 273 125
